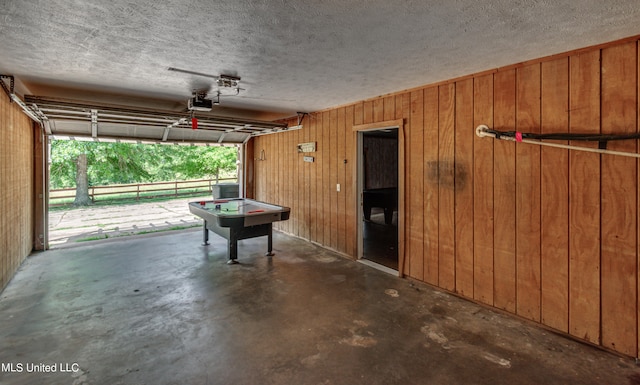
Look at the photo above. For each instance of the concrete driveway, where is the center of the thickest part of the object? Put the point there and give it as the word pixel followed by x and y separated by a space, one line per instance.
pixel 77 225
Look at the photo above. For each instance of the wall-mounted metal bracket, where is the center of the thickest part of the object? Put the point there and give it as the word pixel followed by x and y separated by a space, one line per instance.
pixel 9 91
pixel 301 116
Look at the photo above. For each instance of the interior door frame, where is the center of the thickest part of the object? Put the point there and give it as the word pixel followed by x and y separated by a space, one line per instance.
pixel 359 131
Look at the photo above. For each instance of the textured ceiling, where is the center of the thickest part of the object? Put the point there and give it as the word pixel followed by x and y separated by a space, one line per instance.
pixel 291 55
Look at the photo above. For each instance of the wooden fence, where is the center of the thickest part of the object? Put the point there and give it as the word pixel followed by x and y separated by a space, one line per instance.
pixel 137 191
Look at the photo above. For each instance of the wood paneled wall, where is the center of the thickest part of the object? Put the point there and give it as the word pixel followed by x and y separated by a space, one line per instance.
pixel 548 234
pixel 16 188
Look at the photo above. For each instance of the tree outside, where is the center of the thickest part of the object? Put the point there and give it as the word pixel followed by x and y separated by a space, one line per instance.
pixel 84 164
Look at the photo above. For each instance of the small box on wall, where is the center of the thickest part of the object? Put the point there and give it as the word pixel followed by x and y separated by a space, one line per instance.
pixel 307 147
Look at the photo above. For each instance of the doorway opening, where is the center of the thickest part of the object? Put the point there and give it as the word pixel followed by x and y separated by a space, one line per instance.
pixel 378 190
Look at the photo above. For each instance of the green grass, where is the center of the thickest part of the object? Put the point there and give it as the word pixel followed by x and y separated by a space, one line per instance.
pixel 124 201
pixel 96 238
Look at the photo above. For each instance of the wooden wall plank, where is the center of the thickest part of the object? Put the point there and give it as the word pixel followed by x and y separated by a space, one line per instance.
pixel 285 188
pixel 378 110
pixel 257 170
pixel 638 197
pixel 367 112
pixel 446 176
pixel 288 173
pixel 342 165
pixel 309 179
pixel 327 189
pixel 5 154
pixel 389 108
pixel 319 201
pixel 295 186
pixel 619 202
pixel 431 185
pixel 10 209
pixel 297 137
pixel 282 165
pixel 584 205
pixel 554 246
pixel 358 118
pixel 308 167
pixel 403 111
pixel 350 184
pixel 483 220
pixel 269 166
pixel 323 215
pixel 415 172
pixel 408 260
pixel 528 195
pixel 333 178
pixel 463 167
pixel 16 188
pixel 261 145
pixel 504 193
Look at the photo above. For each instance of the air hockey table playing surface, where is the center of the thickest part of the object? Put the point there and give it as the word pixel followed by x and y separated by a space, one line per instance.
pixel 238 218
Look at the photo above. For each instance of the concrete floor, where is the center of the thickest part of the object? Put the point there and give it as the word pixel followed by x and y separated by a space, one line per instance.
pixel 69 226
pixel 162 309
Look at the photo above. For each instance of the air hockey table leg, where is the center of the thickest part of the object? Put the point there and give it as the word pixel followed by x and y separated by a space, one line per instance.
pixel 270 242
pixel 205 234
pixel 232 248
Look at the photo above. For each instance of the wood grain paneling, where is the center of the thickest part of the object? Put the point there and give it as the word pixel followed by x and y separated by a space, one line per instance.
pixel 350 182
pixel 327 189
pixel 619 202
pixel 528 195
pixel 378 110
pixel 483 220
pixel 342 164
pixel 584 202
pixel 389 108
pixel 446 184
pixel 504 189
pixel 431 185
pixel 638 197
pixel 463 174
pixel 306 187
pixel 554 202
pixel 415 171
pixel 4 189
pixel 403 112
pixel 367 112
pixel 333 178
pixel 16 188
pixel 319 201
pixel 549 234
pixel 313 180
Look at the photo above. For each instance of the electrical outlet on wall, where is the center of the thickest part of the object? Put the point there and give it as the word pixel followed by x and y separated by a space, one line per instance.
pixel 338 187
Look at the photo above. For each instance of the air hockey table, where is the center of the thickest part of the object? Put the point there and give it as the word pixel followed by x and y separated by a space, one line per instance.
pixel 238 218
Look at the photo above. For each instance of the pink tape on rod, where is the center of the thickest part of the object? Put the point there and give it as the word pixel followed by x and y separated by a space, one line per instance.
pixel 518 136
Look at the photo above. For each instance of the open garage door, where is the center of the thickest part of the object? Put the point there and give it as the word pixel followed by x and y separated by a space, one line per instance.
pixel 64 119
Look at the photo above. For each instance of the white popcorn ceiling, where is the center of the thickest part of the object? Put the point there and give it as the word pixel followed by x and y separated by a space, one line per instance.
pixel 291 55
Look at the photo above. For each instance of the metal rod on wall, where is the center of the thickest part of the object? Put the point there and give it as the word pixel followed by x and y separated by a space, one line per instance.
pixel 483 131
